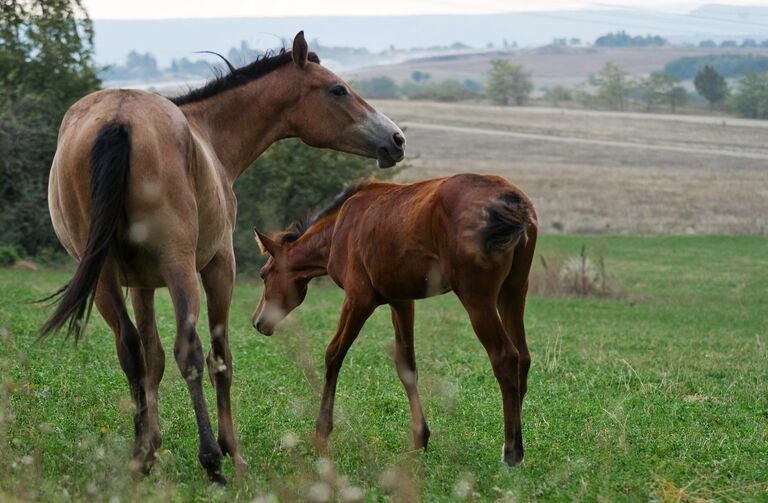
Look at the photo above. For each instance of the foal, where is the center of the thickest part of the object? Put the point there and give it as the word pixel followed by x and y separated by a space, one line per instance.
pixel 386 243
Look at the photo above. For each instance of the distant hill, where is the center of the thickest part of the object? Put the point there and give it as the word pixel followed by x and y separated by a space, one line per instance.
pixel 177 38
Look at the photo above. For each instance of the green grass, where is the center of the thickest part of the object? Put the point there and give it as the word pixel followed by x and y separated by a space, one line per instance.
pixel 661 395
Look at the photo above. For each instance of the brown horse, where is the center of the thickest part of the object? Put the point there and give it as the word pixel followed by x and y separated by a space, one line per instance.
pixel 385 243
pixel 141 195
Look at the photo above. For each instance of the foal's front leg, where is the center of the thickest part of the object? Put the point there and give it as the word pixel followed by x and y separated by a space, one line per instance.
pixel 353 317
pixel 405 361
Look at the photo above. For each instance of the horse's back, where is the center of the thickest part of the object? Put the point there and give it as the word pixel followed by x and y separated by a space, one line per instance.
pixel 160 140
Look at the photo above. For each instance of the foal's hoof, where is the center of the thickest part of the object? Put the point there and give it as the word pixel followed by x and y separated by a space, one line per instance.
pixel 241 465
pixel 512 456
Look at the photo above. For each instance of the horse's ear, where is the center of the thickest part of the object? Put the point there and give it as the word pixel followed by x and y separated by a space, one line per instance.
pixel 267 245
pixel 300 50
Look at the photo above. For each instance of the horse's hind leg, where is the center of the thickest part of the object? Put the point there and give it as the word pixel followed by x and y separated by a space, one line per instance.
pixel 219 280
pixel 130 352
pixel 505 360
pixel 405 361
pixel 143 301
pixel 182 283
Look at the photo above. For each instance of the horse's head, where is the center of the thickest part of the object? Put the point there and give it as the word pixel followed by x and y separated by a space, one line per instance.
pixel 329 114
pixel 284 288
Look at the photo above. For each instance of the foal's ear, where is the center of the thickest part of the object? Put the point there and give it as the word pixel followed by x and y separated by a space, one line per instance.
pixel 300 50
pixel 267 245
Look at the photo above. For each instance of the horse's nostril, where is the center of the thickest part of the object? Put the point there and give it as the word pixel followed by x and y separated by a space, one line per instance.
pixel 399 139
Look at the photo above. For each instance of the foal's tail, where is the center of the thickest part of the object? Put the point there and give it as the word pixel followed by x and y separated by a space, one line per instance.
pixel 507 218
pixel 110 156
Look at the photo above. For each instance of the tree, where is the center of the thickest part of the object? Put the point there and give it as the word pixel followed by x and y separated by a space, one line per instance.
pixel 751 97
pixel 46 64
pixel 419 76
pixel 662 88
pixel 377 88
pixel 614 85
pixel 508 82
pixel 285 183
pixel 711 85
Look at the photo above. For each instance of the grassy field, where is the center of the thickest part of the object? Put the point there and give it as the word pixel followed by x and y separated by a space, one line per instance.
pixel 661 395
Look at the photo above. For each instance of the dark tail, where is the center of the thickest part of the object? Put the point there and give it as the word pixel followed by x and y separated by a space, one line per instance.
pixel 110 156
pixel 507 218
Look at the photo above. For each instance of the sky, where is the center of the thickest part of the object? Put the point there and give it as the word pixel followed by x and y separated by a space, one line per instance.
pixel 163 9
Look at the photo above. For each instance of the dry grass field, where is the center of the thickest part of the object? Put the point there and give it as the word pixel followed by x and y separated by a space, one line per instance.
pixel 598 172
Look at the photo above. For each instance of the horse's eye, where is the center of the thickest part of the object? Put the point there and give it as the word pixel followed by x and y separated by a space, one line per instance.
pixel 263 276
pixel 339 91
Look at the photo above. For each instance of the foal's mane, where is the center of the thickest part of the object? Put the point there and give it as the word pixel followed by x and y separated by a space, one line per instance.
pixel 300 226
pixel 236 77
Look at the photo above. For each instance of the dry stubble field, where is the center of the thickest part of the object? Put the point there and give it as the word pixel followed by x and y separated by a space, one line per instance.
pixel 598 172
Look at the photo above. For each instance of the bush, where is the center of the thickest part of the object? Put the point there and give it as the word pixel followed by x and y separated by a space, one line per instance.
pixel 377 88
pixel 10 254
pixel 751 97
pixel 580 276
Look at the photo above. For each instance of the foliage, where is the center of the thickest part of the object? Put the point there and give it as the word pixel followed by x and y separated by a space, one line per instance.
pixel 377 88
pixel 508 82
pixel 419 76
pixel 711 85
pixel 444 90
pixel 558 94
pixel 46 49
pixel 285 183
pixel 727 65
pixel 662 89
pixel 614 85
pixel 751 96
pixel 137 66
pixel 622 39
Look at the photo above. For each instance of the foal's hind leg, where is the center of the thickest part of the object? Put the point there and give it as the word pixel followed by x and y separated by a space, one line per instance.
pixel 511 305
pixel 504 359
pixel 143 301
pixel 185 292
pixel 130 352
pixel 218 281
pixel 405 360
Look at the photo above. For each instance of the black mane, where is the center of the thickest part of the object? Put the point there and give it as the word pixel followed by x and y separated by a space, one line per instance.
pixel 300 226
pixel 239 76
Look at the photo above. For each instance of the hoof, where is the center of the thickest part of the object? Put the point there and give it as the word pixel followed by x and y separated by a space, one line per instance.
pixel 512 456
pixel 217 478
pixel 421 438
pixel 241 465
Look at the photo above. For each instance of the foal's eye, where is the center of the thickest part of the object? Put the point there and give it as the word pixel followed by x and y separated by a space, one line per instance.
pixel 339 91
pixel 263 276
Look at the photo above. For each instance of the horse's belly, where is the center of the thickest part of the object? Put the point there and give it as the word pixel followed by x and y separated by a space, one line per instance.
pixel 413 281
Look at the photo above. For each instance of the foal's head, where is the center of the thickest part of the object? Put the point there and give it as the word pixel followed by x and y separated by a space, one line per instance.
pixel 329 114
pixel 284 286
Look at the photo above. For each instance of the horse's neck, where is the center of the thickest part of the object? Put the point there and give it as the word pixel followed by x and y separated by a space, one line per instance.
pixel 311 251
pixel 241 123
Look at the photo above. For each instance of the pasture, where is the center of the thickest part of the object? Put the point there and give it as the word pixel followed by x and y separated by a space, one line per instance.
pixel 661 394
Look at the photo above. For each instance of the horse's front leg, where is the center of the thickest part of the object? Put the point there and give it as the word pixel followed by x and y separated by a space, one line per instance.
pixel 218 280
pixel 354 313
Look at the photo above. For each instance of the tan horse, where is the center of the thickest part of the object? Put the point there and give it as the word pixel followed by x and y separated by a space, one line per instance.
pixel 386 243
pixel 140 194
